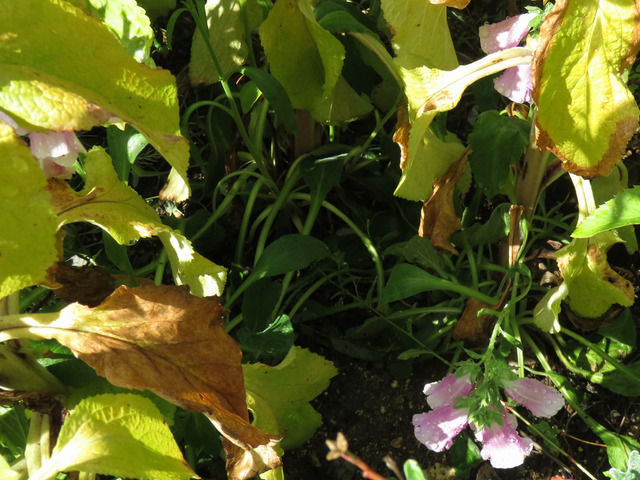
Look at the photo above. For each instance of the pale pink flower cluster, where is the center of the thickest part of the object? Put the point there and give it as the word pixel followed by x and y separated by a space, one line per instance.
pixel 516 82
pixel 56 152
pixel 502 445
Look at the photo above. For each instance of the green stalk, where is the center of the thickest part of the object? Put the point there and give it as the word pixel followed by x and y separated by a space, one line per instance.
pixel 592 346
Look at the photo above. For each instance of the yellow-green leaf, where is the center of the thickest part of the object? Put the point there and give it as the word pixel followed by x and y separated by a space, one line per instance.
pixel 52 79
pixel 307 60
pixel 586 113
pixel 420 34
pixel 29 225
pixel 116 208
pixel 229 21
pixel 279 396
pixel 116 434
pixel 593 286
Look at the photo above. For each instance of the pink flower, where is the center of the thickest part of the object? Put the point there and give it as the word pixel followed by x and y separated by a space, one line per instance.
pixel 541 400
pixel 437 428
pixel 502 445
pixel 447 390
pixel 516 82
pixel 56 151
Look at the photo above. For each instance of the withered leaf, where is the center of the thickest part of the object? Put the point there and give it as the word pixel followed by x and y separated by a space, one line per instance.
pixel 469 327
pixel 165 340
pixel 88 285
pixel 439 220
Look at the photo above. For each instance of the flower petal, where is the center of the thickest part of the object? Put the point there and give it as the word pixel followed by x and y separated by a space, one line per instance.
pixel 437 428
pixel 447 390
pixel 503 446
pixel 56 152
pixel 516 84
pixel 506 34
pixel 541 400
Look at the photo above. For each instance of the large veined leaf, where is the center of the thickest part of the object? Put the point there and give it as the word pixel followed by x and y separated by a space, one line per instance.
pixel 29 225
pixel 586 113
pixel 230 22
pixel 127 21
pixel 420 34
pixel 116 434
pixel 55 81
pixel 163 339
pixel 109 204
pixel 279 396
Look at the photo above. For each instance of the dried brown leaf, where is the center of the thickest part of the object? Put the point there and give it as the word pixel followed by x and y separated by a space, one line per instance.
pixel 88 285
pixel 469 327
pixel 165 340
pixel 439 220
pixel 401 135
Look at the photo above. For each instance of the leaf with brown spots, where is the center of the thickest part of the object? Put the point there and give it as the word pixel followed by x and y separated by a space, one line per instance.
pixel 586 114
pixel 459 4
pixel 439 220
pixel 165 340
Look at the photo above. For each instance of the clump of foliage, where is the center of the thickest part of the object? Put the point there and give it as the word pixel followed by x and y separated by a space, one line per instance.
pixel 167 237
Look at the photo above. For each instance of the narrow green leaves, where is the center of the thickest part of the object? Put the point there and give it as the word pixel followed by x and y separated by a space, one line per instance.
pixel 45 86
pixel 122 435
pixel 27 243
pixel 586 113
pixel 279 396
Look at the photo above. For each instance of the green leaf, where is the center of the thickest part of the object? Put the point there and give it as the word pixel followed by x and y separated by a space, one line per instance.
pixel 270 344
pixel 421 34
pixel 29 225
pixel 277 96
pixel 122 435
pixel 127 21
pixel 157 8
pixel 322 174
pixel 618 447
pixel 307 60
pixel 289 253
pixel 412 470
pixel 586 114
pixel 418 250
pixel 230 23
pixel 496 142
pixel 45 87
pixel 429 158
pixel 279 396
pixel 546 311
pixel 593 285
pixel 304 57
pixel 116 208
pixel 13 429
pixel 633 469
pixel 620 211
pixel 490 232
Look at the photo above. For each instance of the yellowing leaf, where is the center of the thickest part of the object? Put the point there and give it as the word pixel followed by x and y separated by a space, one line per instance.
pixel 28 239
pixel 162 339
pixel 420 34
pixel 593 286
pixel 109 204
pixel 56 81
pixel 116 434
pixel 586 113
pixel 279 396
pixel 428 158
pixel 227 34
